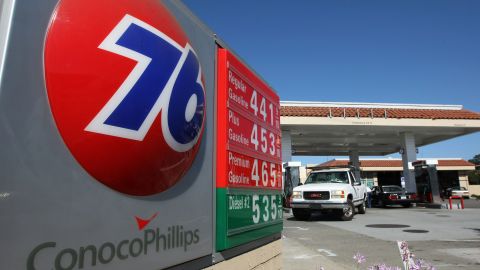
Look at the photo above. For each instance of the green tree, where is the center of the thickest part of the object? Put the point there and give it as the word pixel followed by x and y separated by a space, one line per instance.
pixel 475 160
pixel 474 176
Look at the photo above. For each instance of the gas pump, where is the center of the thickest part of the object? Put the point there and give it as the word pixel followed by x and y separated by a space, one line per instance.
pixel 291 179
pixel 426 177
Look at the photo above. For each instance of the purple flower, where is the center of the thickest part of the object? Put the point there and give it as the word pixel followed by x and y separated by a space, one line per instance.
pixel 414 267
pixel 404 245
pixel 359 258
pixel 409 259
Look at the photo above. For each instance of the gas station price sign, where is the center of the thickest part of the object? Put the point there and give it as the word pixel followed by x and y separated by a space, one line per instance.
pixel 249 167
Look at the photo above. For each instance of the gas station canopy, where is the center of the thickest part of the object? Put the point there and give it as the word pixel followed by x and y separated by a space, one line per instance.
pixel 369 129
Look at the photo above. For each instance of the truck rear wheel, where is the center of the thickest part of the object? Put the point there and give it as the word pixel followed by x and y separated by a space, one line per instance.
pixel 362 208
pixel 301 214
pixel 346 214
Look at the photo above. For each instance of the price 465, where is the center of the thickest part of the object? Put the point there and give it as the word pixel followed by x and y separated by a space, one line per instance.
pixel 267 175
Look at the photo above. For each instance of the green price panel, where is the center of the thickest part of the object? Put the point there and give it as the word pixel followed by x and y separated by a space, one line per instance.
pixel 247 212
pixel 244 215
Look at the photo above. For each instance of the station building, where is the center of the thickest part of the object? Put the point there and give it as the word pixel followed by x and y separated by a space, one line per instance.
pixel 452 172
pixel 374 129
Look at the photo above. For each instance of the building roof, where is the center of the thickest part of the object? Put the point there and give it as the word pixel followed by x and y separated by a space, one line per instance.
pixel 390 163
pixel 371 129
pixel 333 170
pixel 375 110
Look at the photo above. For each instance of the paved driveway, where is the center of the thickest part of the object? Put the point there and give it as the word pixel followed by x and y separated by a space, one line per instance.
pixel 449 239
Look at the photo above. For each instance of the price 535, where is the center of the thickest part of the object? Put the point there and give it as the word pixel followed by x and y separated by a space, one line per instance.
pixel 266 208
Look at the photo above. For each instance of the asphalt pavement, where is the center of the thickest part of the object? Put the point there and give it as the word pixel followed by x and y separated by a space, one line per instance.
pixel 448 239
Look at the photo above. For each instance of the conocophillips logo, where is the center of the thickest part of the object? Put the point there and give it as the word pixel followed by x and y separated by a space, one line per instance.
pixel 126 92
pixel 175 237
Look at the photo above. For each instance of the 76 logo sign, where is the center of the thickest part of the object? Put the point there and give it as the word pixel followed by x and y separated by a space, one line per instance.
pixel 166 73
pixel 126 91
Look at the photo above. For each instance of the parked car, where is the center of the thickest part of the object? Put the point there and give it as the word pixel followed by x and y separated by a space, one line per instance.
pixel 458 191
pixel 331 190
pixel 391 195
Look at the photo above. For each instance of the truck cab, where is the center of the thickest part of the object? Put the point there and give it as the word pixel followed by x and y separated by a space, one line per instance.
pixel 330 190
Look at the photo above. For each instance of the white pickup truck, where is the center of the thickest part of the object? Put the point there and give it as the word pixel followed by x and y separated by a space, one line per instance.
pixel 331 190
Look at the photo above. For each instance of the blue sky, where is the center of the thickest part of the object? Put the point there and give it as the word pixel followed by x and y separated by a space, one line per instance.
pixel 404 51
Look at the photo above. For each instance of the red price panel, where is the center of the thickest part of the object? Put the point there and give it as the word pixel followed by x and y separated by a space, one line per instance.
pixel 248 128
pixel 251 136
pixel 246 171
pixel 243 95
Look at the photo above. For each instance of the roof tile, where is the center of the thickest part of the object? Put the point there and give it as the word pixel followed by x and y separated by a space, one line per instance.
pixel 300 111
pixel 391 163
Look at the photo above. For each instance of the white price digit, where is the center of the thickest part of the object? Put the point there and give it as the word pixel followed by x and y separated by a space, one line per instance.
pixel 253 102
pixel 273 174
pixel 263 110
pixel 255 209
pixel 254 136
pixel 263 138
pixel 264 174
pixel 255 176
pixel 277 123
pixel 271 113
pixel 280 209
pixel 272 144
pixel 265 215
pixel 274 207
